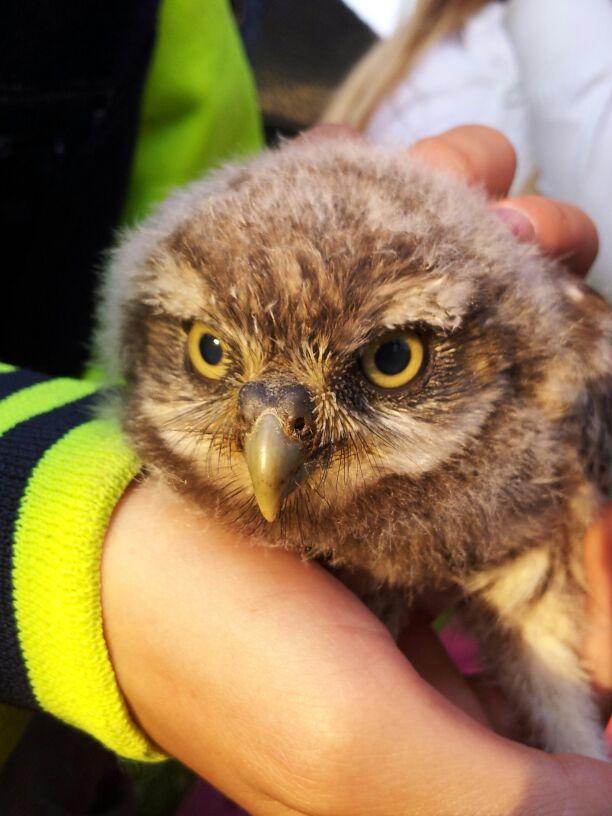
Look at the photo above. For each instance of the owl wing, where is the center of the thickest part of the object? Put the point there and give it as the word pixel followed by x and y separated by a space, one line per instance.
pixel 590 371
pixel 597 434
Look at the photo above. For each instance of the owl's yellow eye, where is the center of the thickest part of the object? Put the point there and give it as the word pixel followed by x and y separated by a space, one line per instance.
pixel 206 351
pixel 393 359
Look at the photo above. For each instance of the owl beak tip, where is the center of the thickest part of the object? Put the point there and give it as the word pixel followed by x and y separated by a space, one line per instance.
pixel 270 511
pixel 275 463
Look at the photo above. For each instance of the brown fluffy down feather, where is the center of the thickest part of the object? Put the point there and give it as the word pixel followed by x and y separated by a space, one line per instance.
pixel 479 477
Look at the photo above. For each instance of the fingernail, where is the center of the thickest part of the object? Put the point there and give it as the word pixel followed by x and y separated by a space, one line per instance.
pixel 517 222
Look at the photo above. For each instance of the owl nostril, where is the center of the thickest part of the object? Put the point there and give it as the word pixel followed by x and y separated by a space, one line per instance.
pixel 298 424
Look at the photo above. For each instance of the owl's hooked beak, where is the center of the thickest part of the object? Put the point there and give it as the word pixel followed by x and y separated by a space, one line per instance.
pixel 275 463
pixel 277 415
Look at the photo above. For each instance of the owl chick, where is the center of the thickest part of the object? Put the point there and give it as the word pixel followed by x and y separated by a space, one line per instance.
pixel 343 353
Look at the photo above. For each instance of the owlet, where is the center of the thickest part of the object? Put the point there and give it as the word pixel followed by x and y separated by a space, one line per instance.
pixel 343 353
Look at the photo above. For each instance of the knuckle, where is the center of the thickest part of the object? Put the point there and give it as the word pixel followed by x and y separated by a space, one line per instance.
pixel 441 153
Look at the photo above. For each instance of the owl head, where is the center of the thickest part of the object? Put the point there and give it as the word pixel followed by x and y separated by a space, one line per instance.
pixel 332 329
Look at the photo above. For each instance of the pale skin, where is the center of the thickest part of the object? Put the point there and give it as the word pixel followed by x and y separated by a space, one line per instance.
pixel 270 679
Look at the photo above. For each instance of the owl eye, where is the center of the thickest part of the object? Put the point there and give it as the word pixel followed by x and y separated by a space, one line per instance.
pixel 207 351
pixel 393 359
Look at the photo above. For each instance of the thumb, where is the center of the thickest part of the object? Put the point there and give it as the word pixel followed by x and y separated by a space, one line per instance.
pixel 598 567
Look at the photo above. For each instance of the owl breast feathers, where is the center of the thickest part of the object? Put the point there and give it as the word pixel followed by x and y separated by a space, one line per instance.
pixel 342 352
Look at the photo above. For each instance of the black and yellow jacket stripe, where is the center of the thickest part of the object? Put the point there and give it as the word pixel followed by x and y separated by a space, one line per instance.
pixel 62 473
pixel 62 468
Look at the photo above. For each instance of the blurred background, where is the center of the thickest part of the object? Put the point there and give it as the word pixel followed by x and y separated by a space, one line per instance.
pixel 300 52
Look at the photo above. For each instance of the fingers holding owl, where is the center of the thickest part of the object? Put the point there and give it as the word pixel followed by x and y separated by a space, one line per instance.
pixel 484 157
pixel 598 563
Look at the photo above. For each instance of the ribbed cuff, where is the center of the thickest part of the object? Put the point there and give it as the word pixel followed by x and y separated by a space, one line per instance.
pixel 62 520
pixel 61 475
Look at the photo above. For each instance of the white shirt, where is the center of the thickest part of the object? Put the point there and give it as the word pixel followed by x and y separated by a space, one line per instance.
pixel 541 72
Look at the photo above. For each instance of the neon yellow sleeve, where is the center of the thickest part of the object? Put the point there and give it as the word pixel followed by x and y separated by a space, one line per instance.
pixel 200 106
pixel 62 475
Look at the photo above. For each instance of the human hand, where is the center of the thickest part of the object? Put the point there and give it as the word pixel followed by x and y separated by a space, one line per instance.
pixel 271 680
pixel 598 648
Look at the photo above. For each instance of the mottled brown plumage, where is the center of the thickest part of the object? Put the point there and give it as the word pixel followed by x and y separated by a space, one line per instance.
pixel 479 476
